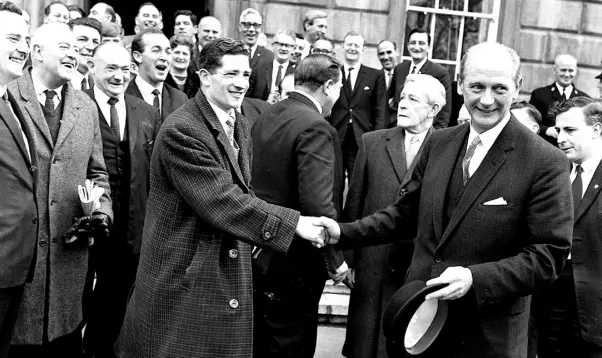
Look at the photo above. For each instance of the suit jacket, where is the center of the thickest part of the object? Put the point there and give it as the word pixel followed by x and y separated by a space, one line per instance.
pixel 587 265
pixel 429 68
pixel 261 54
pixel 260 83
pixel 379 174
pixel 298 164
pixel 365 105
pixel 511 250
pixel 172 98
pixel 194 285
pixel 61 269
pixel 251 108
pixel 543 98
pixel 191 86
pixel 18 208
pixel 142 123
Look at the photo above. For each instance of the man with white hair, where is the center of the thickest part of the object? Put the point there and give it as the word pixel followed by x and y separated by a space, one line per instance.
pixel 250 27
pixel 565 71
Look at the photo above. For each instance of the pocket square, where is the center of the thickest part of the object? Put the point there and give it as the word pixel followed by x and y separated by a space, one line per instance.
pixel 366 88
pixel 498 201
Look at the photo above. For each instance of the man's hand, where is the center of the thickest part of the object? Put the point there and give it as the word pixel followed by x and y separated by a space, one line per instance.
pixel 349 280
pixel 308 229
pixel 339 274
pixel 459 280
pixel 331 227
pixel 551 132
pixel 95 225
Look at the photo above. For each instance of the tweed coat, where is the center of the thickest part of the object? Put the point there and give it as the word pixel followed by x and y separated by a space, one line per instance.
pixel 193 292
pixel 380 173
pixel 512 249
pixel 77 155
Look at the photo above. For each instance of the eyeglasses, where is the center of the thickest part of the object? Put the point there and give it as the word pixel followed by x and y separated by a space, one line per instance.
pixel 285 45
pixel 321 51
pixel 247 25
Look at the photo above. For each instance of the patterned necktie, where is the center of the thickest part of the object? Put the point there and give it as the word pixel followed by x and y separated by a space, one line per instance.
pixel 412 151
pixel 278 77
pixel 230 134
pixel 156 104
pixel 388 78
pixel 577 187
pixel 467 157
pixel 349 83
pixel 114 118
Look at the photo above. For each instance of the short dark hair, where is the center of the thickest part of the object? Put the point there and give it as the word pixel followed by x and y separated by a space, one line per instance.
pixel 385 40
pixel 531 110
pixel 315 70
pixel 561 107
pixel 148 3
pixel 181 39
pixel 10 7
pixel 86 21
pixel 138 41
pixel 210 58
pixel 76 8
pixel 311 16
pixel 593 113
pixel 188 13
pixel 47 8
pixel 420 30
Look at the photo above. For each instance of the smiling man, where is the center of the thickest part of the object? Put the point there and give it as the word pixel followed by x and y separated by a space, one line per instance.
pixel 315 24
pixel 250 27
pixel 388 57
pixel 151 50
pixel 418 44
pixel 56 11
pixel 87 33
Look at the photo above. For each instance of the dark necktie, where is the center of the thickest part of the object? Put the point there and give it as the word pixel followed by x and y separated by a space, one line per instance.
pixel 414 68
pixel 114 118
pixel 278 77
pixel 156 104
pixel 349 84
pixel 468 158
pixel 53 121
pixel 563 94
pixel 85 84
pixel 577 188
pixel 49 103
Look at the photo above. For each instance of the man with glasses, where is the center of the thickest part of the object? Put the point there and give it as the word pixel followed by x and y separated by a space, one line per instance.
pixel 322 46
pixel 250 28
pixel 266 78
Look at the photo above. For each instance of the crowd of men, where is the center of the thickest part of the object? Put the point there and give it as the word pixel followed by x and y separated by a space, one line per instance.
pixel 222 212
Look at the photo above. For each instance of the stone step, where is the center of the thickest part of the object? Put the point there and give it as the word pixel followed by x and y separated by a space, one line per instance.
pixel 334 304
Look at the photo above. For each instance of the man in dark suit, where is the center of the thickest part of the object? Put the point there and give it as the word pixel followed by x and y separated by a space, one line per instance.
pixel 250 28
pixel 128 127
pixel 361 106
pixel 18 172
pixel 489 209
pixel 251 108
pixel 570 311
pixel 153 66
pixel 384 165
pixel 266 79
pixel 193 294
pixel 64 124
pixel 565 70
pixel 295 148
pixel 419 42
pixel 388 57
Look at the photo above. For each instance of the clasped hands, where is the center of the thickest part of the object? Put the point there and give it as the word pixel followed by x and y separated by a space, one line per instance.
pixel 319 231
pixel 88 227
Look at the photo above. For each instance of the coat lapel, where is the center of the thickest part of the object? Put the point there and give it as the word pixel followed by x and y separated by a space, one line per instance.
pixel 397 154
pixel 593 189
pixel 360 78
pixel 13 127
pixel 71 108
pixel 165 102
pixel 131 123
pixel 491 164
pixel 268 74
pixel 33 106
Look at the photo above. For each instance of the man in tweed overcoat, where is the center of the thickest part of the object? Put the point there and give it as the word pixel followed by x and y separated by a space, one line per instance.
pixel 193 292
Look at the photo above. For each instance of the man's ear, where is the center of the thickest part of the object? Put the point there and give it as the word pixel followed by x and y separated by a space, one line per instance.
pixel 137 56
pixel 435 108
pixel 519 83
pixel 204 77
pixel 91 66
pixel 459 88
pixel 37 52
pixel 597 129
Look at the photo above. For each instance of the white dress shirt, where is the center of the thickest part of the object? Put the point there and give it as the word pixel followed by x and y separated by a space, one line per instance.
pixel 418 66
pixel 77 79
pixel 388 77
pixel 589 168
pixel 103 103
pixel 222 115
pixel 40 89
pixel 487 139
pixel 252 50
pixel 567 90
pixel 314 101
pixel 275 65
pixel 147 91
pixel 354 72
pixel 409 136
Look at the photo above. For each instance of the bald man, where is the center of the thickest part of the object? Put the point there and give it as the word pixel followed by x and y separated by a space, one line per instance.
pixel 565 71
pixel 209 29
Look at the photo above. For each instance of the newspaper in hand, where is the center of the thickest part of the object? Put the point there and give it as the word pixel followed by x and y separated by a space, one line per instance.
pixel 89 196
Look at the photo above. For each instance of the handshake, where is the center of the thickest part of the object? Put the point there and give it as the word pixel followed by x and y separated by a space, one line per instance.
pixel 319 231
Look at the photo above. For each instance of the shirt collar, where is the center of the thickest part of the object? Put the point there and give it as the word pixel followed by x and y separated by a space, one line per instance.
pixel 420 135
pixel 356 67
pixel 253 49
pixel 102 97
pixel 284 65
pixel 419 65
pixel 590 164
pixel 40 88
pixel 146 87
pixel 222 115
pixel 311 98
pixel 489 136
pixel 567 89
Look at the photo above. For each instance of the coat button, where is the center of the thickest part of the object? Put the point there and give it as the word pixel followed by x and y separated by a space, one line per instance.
pixel 42 243
pixel 35 221
pixel 233 303
pixel 267 235
pixel 233 254
pixel 403 192
pixel 438 259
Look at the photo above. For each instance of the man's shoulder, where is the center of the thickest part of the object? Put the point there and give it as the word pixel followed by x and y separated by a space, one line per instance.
pixel 544 90
pixel 381 135
pixel 175 93
pixel 138 103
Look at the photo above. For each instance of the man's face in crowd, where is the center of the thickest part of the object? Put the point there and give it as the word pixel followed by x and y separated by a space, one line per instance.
pixel 353 46
pixel 155 60
pixel 414 109
pixel 149 17
pixel 283 46
pixel 317 30
pixel 565 70
pixel 523 116
pixel 58 13
pixel 111 69
pixel 576 138
pixel 250 27
pixel 99 12
pixel 209 30
pixel 87 40
pixel 59 55
pixel 181 57
pixel 183 25
pixel 13 46
pixel 323 47
pixel 488 88
pixel 298 51
pixel 418 46
pixel 226 87
pixel 387 55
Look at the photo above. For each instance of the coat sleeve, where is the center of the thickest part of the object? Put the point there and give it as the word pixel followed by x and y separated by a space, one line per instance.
pixel 209 189
pixel 97 171
pixel 380 110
